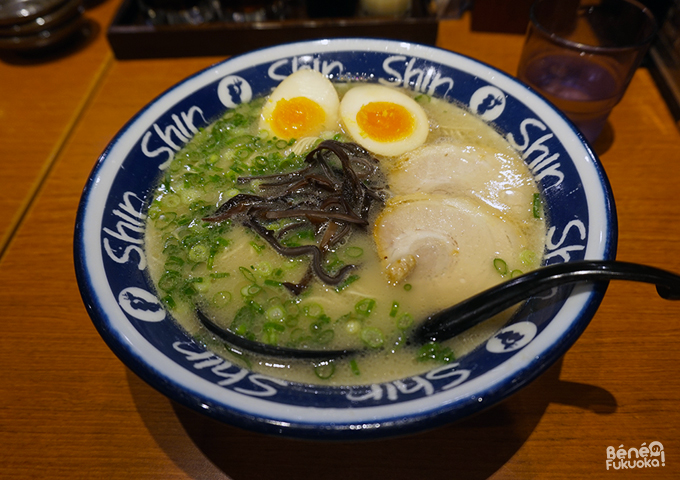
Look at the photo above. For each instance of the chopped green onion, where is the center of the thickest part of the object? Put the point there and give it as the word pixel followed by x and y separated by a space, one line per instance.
pixel 528 257
pixel 365 307
pixel 222 242
pixel 171 201
pixel 188 289
pixel 173 261
pixel 247 274
pixel 324 370
pixel 243 319
pixel 169 301
pixel 407 287
pixel 516 273
pixel 154 210
pixel 260 162
pixel 217 275
pixel 274 326
pixel 353 326
pixel 394 309
pixel 220 299
pixel 355 252
pixel 199 253
pixel 276 312
pixel 251 290
pixel 405 321
pixel 500 266
pixel 346 283
pixel 271 332
pixel 536 205
pixel 291 307
pixel 257 247
pixel 183 220
pixel 291 321
pixel 287 165
pixel 325 336
pixel 317 326
pixel 354 367
pixel 169 281
pixel 333 262
pixel 435 351
pixel 264 268
pixel 164 220
pixel 373 337
pixel 313 310
pixel 243 153
pixel 297 335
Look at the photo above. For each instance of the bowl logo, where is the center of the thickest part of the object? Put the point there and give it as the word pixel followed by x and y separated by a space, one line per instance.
pixel 512 337
pixel 488 102
pixel 141 304
pixel 233 91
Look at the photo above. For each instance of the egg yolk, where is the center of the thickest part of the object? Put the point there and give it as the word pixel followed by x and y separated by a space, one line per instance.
pixel 297 117
pixel 385 121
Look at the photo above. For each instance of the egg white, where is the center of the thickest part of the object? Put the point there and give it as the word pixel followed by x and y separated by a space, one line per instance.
pixel 311 85
pixel 358 97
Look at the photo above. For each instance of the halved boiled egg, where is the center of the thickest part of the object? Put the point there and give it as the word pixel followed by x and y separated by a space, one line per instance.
pixel 304 104
pixel 383 120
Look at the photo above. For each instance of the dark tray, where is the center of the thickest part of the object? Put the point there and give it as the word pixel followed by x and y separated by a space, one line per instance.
pixel 130 37
pixel 664 61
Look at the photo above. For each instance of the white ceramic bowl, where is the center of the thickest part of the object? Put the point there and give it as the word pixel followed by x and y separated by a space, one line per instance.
pixel 110 262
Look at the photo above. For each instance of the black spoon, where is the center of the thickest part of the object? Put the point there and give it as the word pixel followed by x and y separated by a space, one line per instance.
pixel 454 320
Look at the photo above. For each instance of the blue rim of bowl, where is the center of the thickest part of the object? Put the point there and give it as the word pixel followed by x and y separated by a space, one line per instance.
pixel 256 414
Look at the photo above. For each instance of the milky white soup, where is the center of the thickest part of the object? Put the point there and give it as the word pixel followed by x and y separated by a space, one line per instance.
pixel 451 213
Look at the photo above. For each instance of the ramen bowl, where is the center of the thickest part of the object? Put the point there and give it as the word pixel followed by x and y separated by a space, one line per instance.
pixel 111 265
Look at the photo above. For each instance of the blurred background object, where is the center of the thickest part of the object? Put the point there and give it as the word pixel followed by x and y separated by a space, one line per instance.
pixel 664 60
pixel 326 9
pixel 198 12
pixel 581 55
pixel 513 16
pixel 384 7
pixel 177 12
pixel 500 16
pixel 449 8
pixel 182 28
pixel 29 25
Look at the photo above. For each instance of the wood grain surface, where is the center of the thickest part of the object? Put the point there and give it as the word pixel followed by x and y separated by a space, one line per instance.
pixel 42 96
pixel 70 409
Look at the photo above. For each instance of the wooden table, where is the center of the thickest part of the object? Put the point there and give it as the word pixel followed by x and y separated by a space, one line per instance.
pixel 70 409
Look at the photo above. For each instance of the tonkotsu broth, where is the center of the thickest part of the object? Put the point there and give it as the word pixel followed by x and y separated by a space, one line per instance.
pixel 225 268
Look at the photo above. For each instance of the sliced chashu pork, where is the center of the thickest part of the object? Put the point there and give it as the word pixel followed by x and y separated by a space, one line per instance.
pixel 483 173
pixel 448 242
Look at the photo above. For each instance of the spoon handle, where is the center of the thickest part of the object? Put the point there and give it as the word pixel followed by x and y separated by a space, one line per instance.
pixel 462 316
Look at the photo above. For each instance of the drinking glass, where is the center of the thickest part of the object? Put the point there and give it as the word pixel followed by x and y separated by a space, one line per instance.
pixel 581 55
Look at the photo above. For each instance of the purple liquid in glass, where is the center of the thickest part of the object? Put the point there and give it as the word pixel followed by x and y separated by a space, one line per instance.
pixel 584 90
